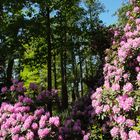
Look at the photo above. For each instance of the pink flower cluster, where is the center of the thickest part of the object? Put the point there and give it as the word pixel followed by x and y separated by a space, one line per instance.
pixel 125 102
pixel 18 87
pixel 122 77
pixel 19 122
pixel 96 101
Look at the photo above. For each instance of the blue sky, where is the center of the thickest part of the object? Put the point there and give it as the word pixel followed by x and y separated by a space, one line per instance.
pixel 111 7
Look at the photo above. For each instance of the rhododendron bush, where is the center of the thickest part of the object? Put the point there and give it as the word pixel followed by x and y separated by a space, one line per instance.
pixel 19 122
pixel 26 118
pixel 118 101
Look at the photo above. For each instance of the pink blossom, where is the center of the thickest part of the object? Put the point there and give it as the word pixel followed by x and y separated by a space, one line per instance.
pixel 115 62
pixel 27 100
pixel 131 18
pixel 15 137
pixel 42 123
pixel 22 138
pixel 127 28
pixel 18 104
pixel 16 130
pixel 128 13
pixel 114 131
pixel 137 69
pixel 30 135
pixel 106 108
pixel 125 102
pixel 39 112
pixel 128 104
pixel 138 76
pixel 115 87
pixel 12 88
pixel 125 76
pixel 121 119
pixel 138 58
pixel 99 90
pixel 138 21
pixel 19 117
pixel 117 78
pixel 98 109
pixel 43 132
pixel 54 121
pixel 107 85
pixel 95 103
pixel 124 135
pixel 26 126
pixel 130 123
pixel 60 137
pixel 133 135
pixel 116 109
pixel 116 33
pixel 86 137
pixel 35 126
pixel 128 88
pixel 4 89
pixel 136 9
pixel 28 122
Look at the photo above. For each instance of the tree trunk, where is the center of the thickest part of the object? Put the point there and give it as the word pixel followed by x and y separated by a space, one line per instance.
pixel 77 83
pixel 54 71
pixel 9 72
pixel 64 86
pixel 73 70
pixel 63 66
pixel 55 80
pixel 49 56
pixel 81 74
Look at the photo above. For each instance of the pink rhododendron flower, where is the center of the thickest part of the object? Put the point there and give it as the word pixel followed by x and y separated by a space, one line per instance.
pixel 39 112
pixel 54 121
pixel 22 138
pixel 138 21
pixel 98 109
pixel 138 58
pixel 15 137
pixel 12 88
pixel 4 89
pixel 128 104
pixel 43 132
pixel 42 123
pixel 130 122
pixel 128 13
pixel 124 135
pixel 137 69
pixel 86 137
pixel 99 90
pixel 115 87
pixel 133 135
pixel 136 9
pixel 128 88
pixel 114 131
pixel 106 108
pixel 125 76
pixel 30 135
pixel 107 85
pixel 95 103
pixel 116 109
pixel 138 76
pixel 34 126
pixel 121 119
